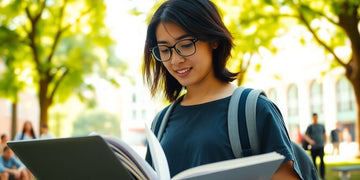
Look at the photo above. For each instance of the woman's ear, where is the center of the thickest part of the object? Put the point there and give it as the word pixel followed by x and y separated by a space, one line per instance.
pixel 214 45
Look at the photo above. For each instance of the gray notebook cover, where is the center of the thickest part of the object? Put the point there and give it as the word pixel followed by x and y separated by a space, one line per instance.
pixel 87 157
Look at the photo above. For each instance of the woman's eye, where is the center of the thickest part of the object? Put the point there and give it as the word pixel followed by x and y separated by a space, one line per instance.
pixel 164 50
pixel 187 45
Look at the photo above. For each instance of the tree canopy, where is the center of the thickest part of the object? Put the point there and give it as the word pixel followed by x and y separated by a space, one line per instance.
pixel 333 25
pixel 60 42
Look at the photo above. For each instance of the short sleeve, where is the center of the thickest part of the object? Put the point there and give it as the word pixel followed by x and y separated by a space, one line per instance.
pixel 272 132
pixel 2 167
pixel 16 162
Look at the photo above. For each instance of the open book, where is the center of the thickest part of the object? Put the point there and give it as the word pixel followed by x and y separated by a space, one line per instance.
pixel 254 167
pixel 105 157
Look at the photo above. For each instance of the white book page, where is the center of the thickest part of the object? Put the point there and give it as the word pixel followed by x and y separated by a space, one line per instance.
pixel 131 159
pixel 157 155
pixel 127 150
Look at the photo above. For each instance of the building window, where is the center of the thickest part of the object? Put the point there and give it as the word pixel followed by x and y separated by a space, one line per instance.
pixel 316 97
pixel 134 98
pixel 134 115
pixel 293 108
pixel 143 114
pixel 345 95
pixel 293 101
pixel 273 95
pixel 346 106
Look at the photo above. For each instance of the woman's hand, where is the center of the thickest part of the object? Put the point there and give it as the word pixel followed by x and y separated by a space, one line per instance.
pixel 285 171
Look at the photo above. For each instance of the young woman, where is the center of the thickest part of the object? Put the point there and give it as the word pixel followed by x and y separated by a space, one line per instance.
pixel 186 50
pixel 26 133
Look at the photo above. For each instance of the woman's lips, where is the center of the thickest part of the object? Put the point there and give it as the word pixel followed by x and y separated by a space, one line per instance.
pixel 183 72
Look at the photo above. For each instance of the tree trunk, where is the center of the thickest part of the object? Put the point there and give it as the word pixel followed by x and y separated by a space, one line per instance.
pixel 13 119
pixel 357 97
pixel 349 21
pixel 353 72
pixel 354 78
pixel 44 101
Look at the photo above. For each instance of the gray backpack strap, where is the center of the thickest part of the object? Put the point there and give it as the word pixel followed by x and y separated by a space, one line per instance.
pixel 233 123
pixel 155 121
pixel 166 118
pixel 250 117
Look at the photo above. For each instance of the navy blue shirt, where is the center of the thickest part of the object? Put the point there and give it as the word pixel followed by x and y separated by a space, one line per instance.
pixel 335 135
pixel 198 134
pixel 316 133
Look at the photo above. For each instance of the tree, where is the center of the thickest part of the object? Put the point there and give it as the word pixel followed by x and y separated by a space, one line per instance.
pixel 9 88
pixel 243 21
pixel 332 24
pixel 13 79
pixel 64 41
pixel 344 16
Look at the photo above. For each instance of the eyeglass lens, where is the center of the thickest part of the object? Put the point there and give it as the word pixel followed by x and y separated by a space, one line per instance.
pixel 183 48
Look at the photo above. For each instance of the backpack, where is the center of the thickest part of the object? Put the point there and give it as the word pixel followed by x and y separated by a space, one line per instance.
pixel 245 142
pixel 304 144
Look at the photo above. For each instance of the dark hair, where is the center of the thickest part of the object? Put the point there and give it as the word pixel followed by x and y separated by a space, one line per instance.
pixel 44 126
pixel 3 136
pixel 314 114
pixel 31 130
pixel 198 18
pixel 5 148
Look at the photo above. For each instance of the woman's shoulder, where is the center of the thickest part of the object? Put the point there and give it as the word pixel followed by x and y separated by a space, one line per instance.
pixel 18 135
pixel 264 104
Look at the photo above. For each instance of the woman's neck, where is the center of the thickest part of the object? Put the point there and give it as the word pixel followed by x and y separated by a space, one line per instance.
pixel 28 133
pixel 203 94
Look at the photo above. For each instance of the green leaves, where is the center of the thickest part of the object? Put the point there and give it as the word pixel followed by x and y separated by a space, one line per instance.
pixel 62 42
pixel 255 24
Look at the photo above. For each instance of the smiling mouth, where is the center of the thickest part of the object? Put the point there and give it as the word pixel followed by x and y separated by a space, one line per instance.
pixel 183 71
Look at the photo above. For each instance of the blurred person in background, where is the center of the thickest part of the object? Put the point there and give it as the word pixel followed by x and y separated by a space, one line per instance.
pixel 45 133
pixel 4 139
pixel 315 135
pixel 27 132
pixel 296 135
pixel 335 136
pixel 11 167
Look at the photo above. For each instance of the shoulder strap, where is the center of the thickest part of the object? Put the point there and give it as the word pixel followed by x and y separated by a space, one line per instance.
pixel 250 116
pixel 164 119
pixel 233 123
pixel 244 142
pixel 155 121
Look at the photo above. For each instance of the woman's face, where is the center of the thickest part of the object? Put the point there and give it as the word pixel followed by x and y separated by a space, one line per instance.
pixel 28 126
pixel 191 70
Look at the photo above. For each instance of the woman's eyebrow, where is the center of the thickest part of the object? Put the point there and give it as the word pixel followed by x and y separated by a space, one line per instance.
pixel 178 38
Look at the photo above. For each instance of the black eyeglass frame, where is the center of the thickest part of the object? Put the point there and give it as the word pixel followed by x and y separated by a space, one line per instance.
pixel 194 40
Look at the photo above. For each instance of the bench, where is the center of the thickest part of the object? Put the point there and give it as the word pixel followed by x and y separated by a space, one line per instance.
pixel 344 171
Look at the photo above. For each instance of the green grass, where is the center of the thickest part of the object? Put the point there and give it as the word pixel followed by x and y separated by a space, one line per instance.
pixel 334 175
pixel 332 161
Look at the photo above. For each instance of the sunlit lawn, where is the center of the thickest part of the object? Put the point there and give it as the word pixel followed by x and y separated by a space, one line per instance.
pixel 334 175
pixel 347 157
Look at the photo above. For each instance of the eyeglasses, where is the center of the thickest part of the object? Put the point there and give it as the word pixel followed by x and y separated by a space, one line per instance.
pixel 184 48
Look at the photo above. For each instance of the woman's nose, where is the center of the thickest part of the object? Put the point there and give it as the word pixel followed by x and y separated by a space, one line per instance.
pixel 176 57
